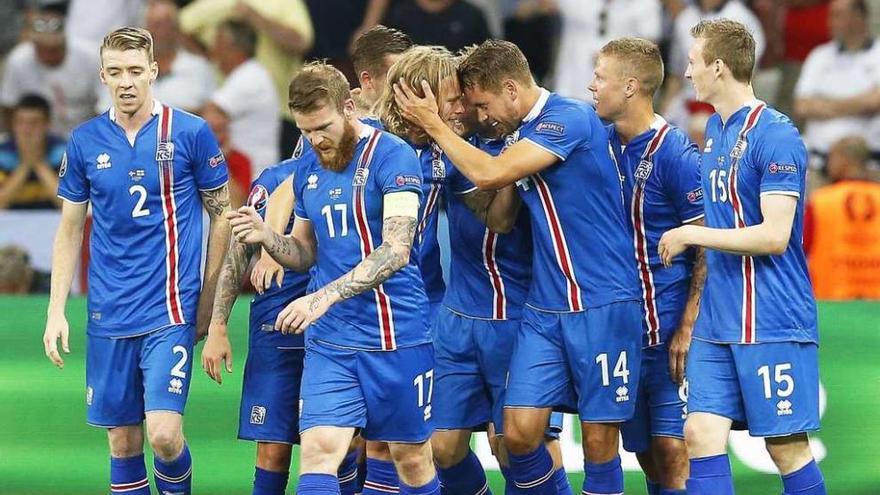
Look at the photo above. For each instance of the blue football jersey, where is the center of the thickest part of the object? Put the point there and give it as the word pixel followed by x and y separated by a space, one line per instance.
pixel 266 306
pixel 753 299
pixel 435 167
pixel 345 210
pixel 489 273
pixel 146 240
pixel 582 250
pixel 662 191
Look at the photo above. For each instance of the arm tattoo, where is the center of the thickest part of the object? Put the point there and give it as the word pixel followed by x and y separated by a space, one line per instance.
pixel 216 201
pixel 478 202
pixel 229 285
pixel 381 264
pixel 289 252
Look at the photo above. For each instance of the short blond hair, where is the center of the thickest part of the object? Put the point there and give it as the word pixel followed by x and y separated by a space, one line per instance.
pixel 490 63
pixel 129 38
pixel 728 41
pixel 420 63
pixel 316 85
pixel 639 58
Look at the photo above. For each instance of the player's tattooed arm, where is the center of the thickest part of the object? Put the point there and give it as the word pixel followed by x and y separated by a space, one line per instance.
pixel 290 251
pixel 681 341
pixel 496 209
pixel 229 285
pixel 216 202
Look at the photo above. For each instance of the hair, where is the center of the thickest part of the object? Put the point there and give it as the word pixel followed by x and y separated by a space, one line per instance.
pixel 33 101
pixel 490 63
pixel 639 58
pixel 860 7
pixel 371 47
pixel 420 63
pixel 129 38
pixel 242 36
pixel 316 85
pixel 854 147
pixel 730 42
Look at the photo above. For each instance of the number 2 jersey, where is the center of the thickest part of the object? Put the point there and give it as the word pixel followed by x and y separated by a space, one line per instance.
pixel 266 306
pixel 146 240
pixel 754 299
pixel 346 210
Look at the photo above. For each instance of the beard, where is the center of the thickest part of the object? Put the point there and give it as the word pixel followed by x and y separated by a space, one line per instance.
pixel 336 159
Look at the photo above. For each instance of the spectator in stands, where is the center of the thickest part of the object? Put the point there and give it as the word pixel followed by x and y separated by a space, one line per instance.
pixel 247 98
pixel 838 93
pixel 842 227
pixel 284 36
pixel 676 94
pixel 533 26
pixel 13 14
pixel 64 74
pixel 17 276
pixel 454 24
pixel 805 28
pixel 339 23
pixel 87 23
pixel 587 25
pixel 238 163
pixel 31 158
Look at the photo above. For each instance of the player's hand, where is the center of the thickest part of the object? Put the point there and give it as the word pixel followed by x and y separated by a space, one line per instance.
pixel 678 351
pixel 417 110
pixel 265 270
pixel 247 226
pixel 217 349
pixel 56 327
pixel 672 243
pixel 303 312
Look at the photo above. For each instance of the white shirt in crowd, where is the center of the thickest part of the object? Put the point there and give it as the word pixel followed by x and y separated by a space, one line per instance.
pixel 249 98
pixel 587 25
pixel 88 23
pixel 71 88
pixel 188 85
pixel 830 72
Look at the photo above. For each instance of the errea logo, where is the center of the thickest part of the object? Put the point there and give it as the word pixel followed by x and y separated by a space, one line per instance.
pixel 622 394
pixel 783 408
pixel 103 161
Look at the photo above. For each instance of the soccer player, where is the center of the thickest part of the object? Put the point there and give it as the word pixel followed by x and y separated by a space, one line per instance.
pixel 369 360
pixel 148 170
pixel 578 347
pixel 661 170
pixel 754 355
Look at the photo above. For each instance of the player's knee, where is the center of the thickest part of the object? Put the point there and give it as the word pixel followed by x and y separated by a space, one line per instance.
pixel 274 456
pixel 700 438
pixel 521 437
pixel 447 452
pixel 126 441
pixel 320 455
pixel 414 463
pixel 166 441
pixel 671 460
pixel 789 453
pixel 600 442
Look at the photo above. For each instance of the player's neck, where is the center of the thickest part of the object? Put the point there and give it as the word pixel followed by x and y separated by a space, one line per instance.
pixel 636 120
pixel 131 123
pixel 530 97
pixel 731 98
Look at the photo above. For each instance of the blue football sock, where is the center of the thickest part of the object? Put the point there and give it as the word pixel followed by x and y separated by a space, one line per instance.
pixel 509 486
pixel 670 491
pixel 710 476
pixel 533 472
pixel 348 474
pixel 560 479
pixel 653 487
pixel 604 478
pixel 807 480
pixel 465 478
pixel 128 475
pixel 269 482
pixel 317 484
pixel 174 476
pixel 381 478
pixel 431 488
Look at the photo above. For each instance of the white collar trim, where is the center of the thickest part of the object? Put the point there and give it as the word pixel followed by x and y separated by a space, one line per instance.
pixel 538 106
pixel 157 109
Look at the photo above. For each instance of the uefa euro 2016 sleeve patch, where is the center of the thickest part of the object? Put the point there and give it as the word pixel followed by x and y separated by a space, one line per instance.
pixel 554 128
pixel 782 168
pixel 216 160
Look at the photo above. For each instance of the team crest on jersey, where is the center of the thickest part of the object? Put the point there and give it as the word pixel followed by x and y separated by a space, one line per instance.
pixel 137 174
pixel 360 177
pixel 258 415
pixel 103 161
pixel 312 182
pixel 165 151
pixel 438 169
pixel 216 160
pixel 258 197
pixel 335 193
pixel 298 150
pixel 643 171
pixel 738 149
pixel 63 169
pixel 510 140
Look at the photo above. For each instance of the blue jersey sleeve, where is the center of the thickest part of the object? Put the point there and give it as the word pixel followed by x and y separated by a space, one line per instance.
pixel 397 169
pixel 458 183
pixel 560 130
pixel 259 195
pixel 781 160
pixel 210 164
pixel 682 178
pixel 299 208
pixel 73 185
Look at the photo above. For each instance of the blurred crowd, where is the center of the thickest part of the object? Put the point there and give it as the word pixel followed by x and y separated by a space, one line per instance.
pixel 230 61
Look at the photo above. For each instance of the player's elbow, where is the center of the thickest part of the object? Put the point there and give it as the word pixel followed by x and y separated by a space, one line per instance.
pixel 777 243
pixel 490 181
pixel 500 225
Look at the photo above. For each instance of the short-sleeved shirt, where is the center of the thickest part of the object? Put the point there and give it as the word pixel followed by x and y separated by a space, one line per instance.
pixel 266 306
pixel 662 191
pixel 755 299
pixel 146 241
pixel 435 168
pixel 346 212
pixel 31 194
pixel 489 273
pixel 582 250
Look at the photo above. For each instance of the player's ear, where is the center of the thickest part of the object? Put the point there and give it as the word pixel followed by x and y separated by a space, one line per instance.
pixel 510 88
pixel 365 80
pixel 718 68
pixel 348 108
pixel 631 87
pixel 154 71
